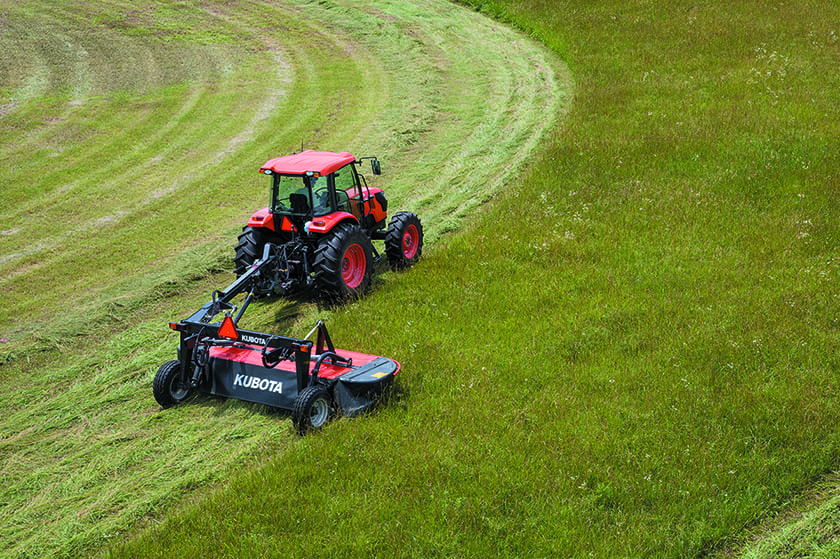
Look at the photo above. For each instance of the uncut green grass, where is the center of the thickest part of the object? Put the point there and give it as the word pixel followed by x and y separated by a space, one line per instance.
pixel 807 528
pixel 131 138
pixel 631 353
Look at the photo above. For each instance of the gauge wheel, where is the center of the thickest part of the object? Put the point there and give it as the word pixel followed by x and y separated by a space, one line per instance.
pixel 312 409
pixel 170 386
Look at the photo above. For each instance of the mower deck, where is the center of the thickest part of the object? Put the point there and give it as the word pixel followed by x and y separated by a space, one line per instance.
pixel 313 380
pixel 239 372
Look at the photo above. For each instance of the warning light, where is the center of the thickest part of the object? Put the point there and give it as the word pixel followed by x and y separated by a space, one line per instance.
pixel 228 329
pixel 305 347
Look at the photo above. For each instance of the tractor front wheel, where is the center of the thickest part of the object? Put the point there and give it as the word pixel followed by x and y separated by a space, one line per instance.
pixel 312 409
pixel 170 386
pixel 344 262
pixel 404 240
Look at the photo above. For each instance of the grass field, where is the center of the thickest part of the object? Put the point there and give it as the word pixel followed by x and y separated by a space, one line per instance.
pixel 621 343
pixel 125 188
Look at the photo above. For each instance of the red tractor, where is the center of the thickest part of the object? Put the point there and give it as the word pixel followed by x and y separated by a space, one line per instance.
pixel 319 228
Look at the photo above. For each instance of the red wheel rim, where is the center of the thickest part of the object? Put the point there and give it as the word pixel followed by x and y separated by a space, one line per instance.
pixel 409 242
pixel 353 266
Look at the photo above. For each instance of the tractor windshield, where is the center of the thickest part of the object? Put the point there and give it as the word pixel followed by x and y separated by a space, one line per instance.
pixel 290 195
pixel 303 196
pixel 298 195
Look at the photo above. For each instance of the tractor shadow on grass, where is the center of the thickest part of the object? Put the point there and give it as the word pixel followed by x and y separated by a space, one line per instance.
pixel 297 301
pixel 286 315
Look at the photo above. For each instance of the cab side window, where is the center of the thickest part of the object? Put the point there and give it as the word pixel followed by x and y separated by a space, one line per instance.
pixel 347 193
pixel 320 195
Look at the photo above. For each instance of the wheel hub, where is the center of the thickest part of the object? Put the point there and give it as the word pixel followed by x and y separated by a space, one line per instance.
pixel 319 413
pixel 409 244
pixel 353 266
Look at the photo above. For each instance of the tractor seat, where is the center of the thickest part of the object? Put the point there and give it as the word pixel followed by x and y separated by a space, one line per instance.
pixel 299 203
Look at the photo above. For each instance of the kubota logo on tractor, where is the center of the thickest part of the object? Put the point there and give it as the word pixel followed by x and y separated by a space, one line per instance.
pixel 257 383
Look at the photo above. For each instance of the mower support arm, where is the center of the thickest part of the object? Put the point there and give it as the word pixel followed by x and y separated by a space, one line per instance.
pixel 197 330
pixel 247 282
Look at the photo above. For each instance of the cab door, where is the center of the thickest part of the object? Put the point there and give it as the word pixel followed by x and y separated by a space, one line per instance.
pixel 348 192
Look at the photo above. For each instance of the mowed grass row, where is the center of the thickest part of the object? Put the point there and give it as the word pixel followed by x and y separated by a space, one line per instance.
pixel 131 138
pixel 631 353
pixel 99 169
pixel 98 160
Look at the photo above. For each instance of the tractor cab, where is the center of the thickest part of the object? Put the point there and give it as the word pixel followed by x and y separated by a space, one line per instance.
pixel 311 185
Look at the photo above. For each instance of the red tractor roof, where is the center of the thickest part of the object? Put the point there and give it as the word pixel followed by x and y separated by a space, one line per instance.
pixel 320 162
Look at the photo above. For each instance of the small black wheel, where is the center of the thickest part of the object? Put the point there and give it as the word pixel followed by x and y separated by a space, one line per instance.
pixel 344 262
pixel 312 409
pixel 170 386
pixel 404 240
pixel 248 250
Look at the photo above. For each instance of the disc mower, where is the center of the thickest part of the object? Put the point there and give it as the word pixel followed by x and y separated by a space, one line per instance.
pixel 318 231
pixel 313 380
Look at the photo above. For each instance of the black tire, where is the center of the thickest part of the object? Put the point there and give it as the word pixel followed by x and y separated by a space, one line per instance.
pixel 404 240
pixel 169 387
pixel 344 262
pixel 312 410
pixel 248 250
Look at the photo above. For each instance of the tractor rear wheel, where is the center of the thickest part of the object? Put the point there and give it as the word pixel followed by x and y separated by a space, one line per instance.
pixel 404 240
pixel 170 386
pixel 312 409
pixel 248 250
pixel 344 262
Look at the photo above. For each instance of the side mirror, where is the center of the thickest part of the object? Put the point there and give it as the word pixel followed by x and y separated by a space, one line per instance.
pixel 374 166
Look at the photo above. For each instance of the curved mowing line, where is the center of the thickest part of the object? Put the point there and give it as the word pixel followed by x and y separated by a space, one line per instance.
pixel 108 174
pixel 164 127
pixel 184 132
pixel 471 112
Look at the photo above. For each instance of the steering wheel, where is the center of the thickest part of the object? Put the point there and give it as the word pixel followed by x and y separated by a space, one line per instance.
pixel 284 204
pixel 321 196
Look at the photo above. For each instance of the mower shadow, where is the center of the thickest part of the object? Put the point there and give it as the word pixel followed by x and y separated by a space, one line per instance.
pixel 396 396
pixel 220 406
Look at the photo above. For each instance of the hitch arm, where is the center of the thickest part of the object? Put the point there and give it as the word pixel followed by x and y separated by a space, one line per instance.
pixel 246 282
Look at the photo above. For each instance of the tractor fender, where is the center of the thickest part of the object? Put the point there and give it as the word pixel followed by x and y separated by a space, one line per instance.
pixel 325 223
pixel 264 218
